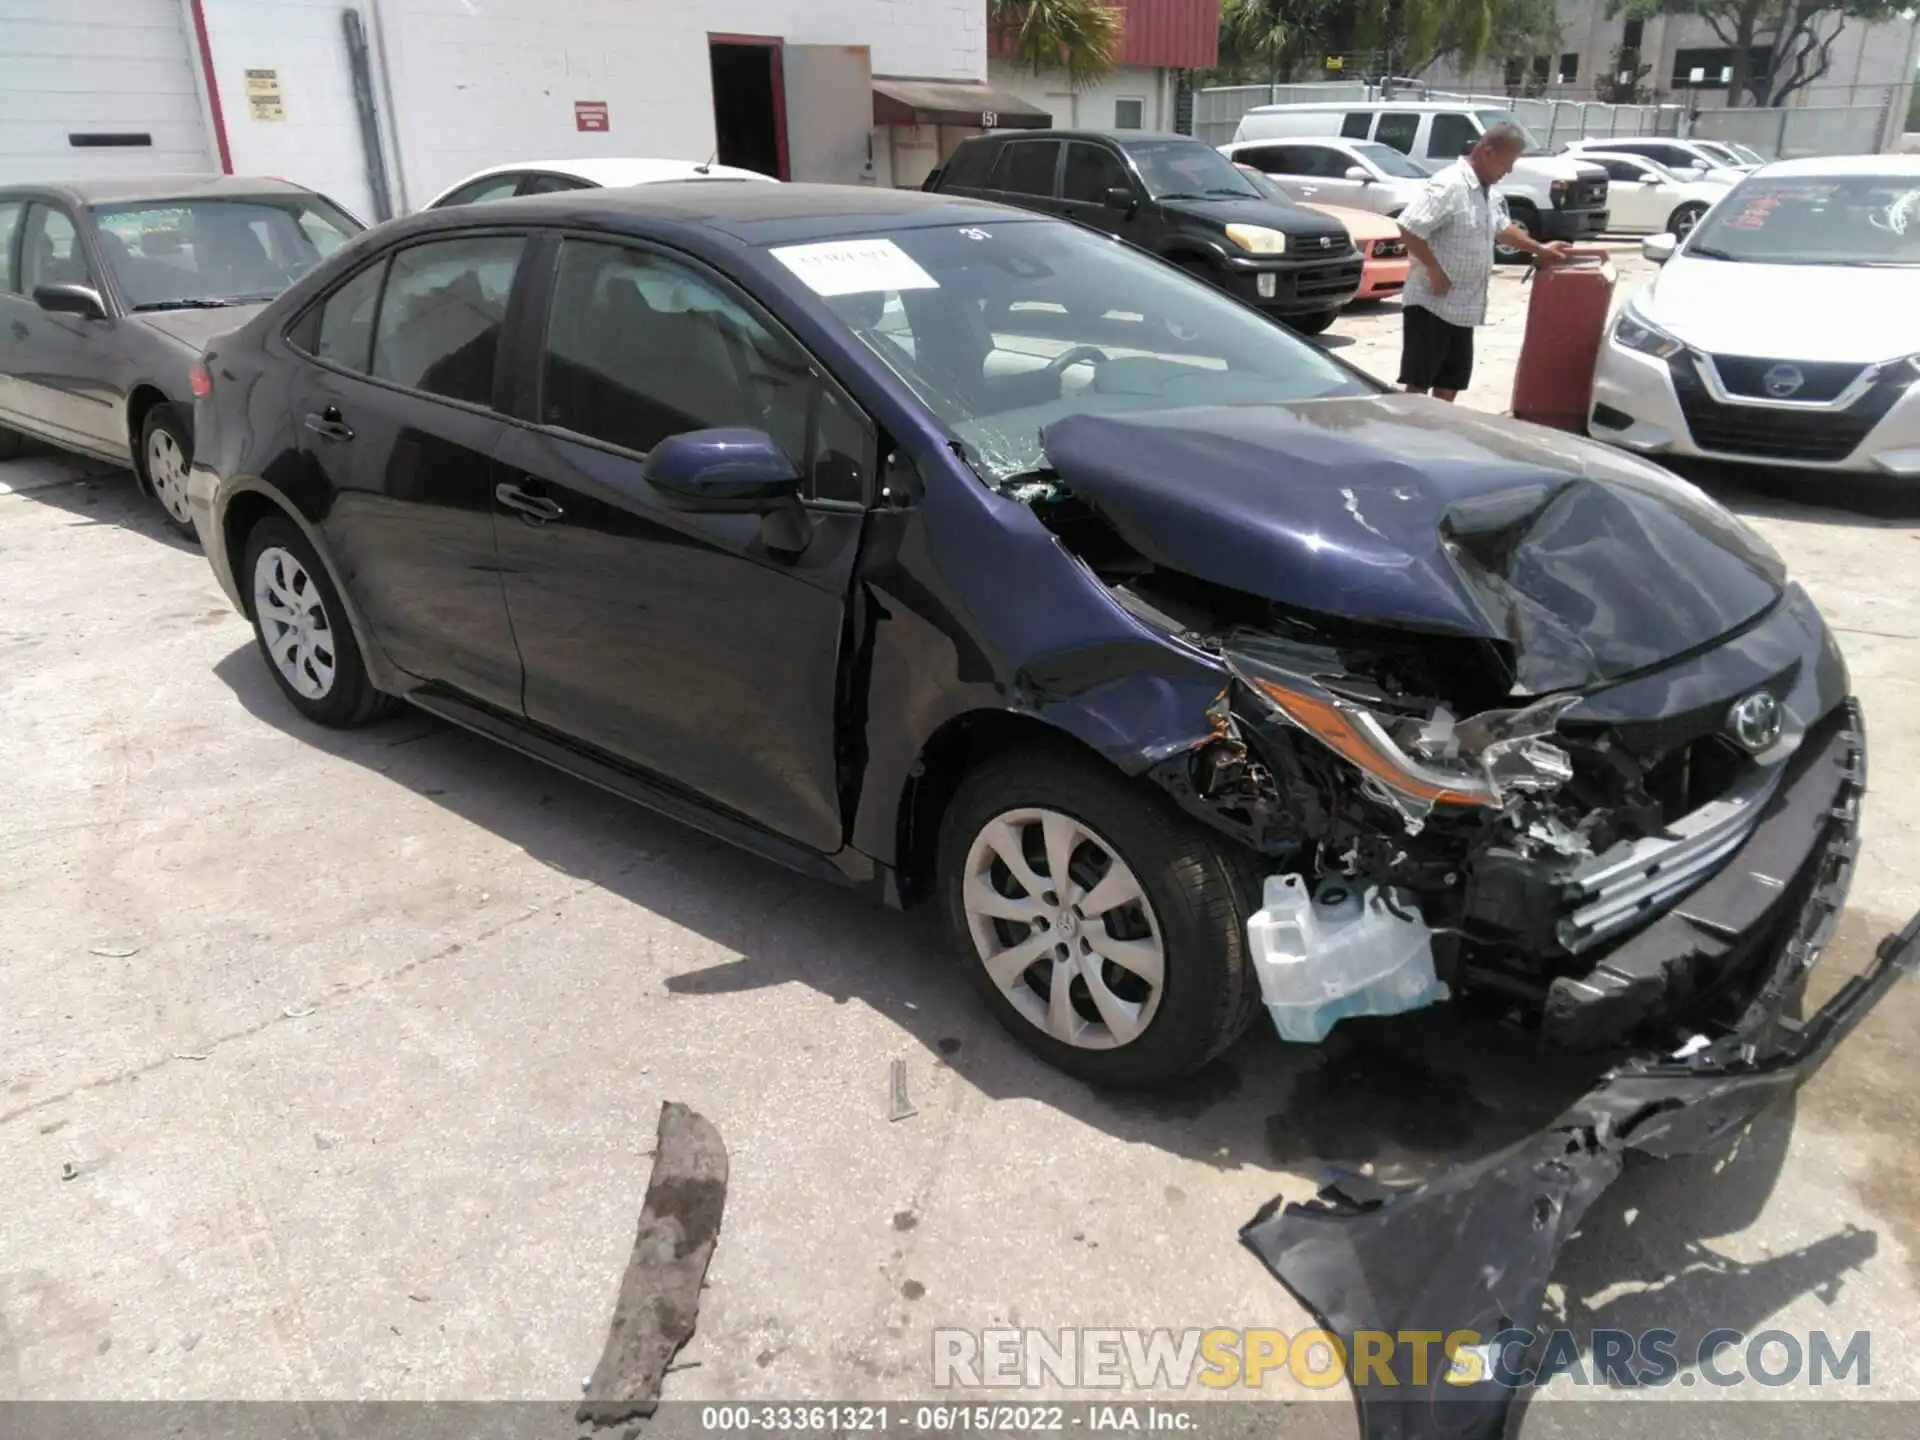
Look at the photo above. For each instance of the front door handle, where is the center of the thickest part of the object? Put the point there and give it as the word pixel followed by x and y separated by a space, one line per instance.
pixel 536 508
pixel 328 425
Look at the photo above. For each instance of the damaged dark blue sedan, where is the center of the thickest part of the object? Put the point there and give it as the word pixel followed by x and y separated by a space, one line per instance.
pixel 961 553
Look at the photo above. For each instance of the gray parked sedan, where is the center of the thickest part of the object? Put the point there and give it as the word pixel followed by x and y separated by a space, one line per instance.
pixel 109 291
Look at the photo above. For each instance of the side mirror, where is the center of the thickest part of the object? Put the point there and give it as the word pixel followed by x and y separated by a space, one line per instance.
pixel 1356 172
pixel 81 300
pixel 1659 248
pixel 1121 198
pixel 731 469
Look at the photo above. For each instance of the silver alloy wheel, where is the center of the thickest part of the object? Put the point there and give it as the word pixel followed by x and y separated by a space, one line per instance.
pixel 1684 220
pixel 294 621
pixel 167 473
pixel 1064 928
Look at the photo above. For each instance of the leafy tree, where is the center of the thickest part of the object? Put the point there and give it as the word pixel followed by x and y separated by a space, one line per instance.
pixel 1079 37
pixel 1274 39
pixel 1779 46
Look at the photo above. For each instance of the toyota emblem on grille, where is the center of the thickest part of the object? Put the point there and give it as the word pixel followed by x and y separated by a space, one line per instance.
pixel 1755 722
pixel 1783 380
pixel 1325 241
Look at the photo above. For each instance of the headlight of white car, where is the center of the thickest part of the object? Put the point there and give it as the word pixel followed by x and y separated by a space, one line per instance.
pixel 1632 332
pixel 1258 239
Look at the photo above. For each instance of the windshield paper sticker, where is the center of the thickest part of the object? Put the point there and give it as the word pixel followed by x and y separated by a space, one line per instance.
pixel 854 267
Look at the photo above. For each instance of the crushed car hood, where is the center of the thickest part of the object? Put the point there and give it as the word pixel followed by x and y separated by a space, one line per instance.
pixel 1398 511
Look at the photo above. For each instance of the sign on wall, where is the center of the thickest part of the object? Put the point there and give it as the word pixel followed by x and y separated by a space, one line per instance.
pixel 263 95
pixel 591 115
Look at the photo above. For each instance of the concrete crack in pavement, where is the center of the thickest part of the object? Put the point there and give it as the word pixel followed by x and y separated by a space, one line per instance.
pixel 280 1017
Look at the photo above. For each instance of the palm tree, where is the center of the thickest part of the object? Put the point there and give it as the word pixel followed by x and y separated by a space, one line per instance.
pixel 1080 37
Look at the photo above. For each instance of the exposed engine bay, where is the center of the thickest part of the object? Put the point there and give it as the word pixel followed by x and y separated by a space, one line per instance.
pixel 1433 751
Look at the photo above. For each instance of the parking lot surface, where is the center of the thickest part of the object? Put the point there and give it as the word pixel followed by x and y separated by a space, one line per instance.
pixel 333 1059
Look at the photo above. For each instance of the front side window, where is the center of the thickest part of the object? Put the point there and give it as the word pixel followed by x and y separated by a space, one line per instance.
pixel 194 254
pixel 552 184
pixel 1322 163
pixel 1390 162
pixel 969 165
pixel 1451 136
pixel 441 316
pixel 975 320
pixel 1625 172
pixel 50 252
pixel 1856 220
pixel 1026 167
pixel 640 347
pixel 1181 169
pixel 1092 170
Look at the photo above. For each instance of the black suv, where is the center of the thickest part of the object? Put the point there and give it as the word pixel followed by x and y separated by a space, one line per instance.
pixel 1178 198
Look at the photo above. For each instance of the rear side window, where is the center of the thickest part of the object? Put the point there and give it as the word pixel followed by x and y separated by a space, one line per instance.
pixel 1451 137
pixel 1092 170
pixel 1026 167
pixel 1358 125
pixel 493 187
pixel 340 329
pixel 1319 161
pixel 552 184
pixel 1274 159
pixel 968 167
pixel 1398 128
pixel 9 227
pixel 440 322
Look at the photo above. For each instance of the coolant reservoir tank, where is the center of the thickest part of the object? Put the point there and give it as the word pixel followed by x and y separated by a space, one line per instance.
pixel 1336 951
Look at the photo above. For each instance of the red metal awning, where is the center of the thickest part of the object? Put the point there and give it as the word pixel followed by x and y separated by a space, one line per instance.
pixel 953 102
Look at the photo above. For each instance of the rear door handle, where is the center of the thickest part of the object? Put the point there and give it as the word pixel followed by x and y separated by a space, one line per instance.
pixel 328 425
pixel 537 508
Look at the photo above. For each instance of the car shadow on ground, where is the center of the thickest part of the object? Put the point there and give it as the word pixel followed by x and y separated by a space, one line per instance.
pixel 1817 497
pixel 1393 1098
pixel 93 492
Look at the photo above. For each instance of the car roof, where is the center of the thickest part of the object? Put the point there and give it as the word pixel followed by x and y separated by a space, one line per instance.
pixel 1131 137
pixel 159 187
pixel 1901 167
pixel 752 214
pixel 615 170
pixel 1421 105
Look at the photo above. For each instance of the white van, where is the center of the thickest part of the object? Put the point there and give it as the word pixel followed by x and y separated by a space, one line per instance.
pixel 1555 197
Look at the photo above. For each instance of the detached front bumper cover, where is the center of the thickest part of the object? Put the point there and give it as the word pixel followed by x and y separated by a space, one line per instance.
pixel 1473 1247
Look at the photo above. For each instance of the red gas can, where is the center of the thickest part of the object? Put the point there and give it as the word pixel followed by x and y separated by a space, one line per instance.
pixel 1566 318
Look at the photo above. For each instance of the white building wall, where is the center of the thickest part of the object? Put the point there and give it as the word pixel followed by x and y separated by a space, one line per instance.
pixel 483 82
pixel 1093 107
pixel 317 142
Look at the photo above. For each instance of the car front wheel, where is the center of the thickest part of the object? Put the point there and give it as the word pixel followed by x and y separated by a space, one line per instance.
pixel 1680 224
pixel 1312 324
pixel 302 628
pixel 1106 929
pixel 166 454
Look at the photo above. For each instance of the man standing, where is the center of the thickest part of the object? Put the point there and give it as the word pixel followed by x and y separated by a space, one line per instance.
pixel 1450 233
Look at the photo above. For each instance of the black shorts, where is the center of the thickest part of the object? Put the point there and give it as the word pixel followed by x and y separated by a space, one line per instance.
pixel 1435 354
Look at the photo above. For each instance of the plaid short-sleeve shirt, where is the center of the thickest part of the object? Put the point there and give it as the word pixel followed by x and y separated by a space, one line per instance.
pixel 1458 217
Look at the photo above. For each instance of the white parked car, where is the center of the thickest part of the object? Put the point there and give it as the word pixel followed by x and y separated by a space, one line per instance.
pixel 1691 159
pixel 1645 198
pixel 1781 331
pixel 1330 170
pixel 1552 197
pixel 543 177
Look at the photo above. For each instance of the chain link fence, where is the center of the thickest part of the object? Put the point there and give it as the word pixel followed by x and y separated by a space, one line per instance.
pixel 1217 109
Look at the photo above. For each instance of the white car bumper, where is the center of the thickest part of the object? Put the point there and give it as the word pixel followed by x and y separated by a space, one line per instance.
pixel 1684 407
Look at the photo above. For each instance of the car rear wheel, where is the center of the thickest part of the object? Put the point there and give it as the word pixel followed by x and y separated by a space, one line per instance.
pixel 302 629
pixel 166 454
pixel 1312 324
pixel 1682 221
pixel 1106 929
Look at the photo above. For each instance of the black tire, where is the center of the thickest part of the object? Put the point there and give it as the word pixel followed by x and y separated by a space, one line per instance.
pixel 1684 218
pixel 1312 324
pixel 349 697
pixel 1201 887
pixel 164 433
pixel 1526 218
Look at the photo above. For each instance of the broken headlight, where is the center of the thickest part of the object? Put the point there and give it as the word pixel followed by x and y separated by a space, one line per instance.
pixel 1415 762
